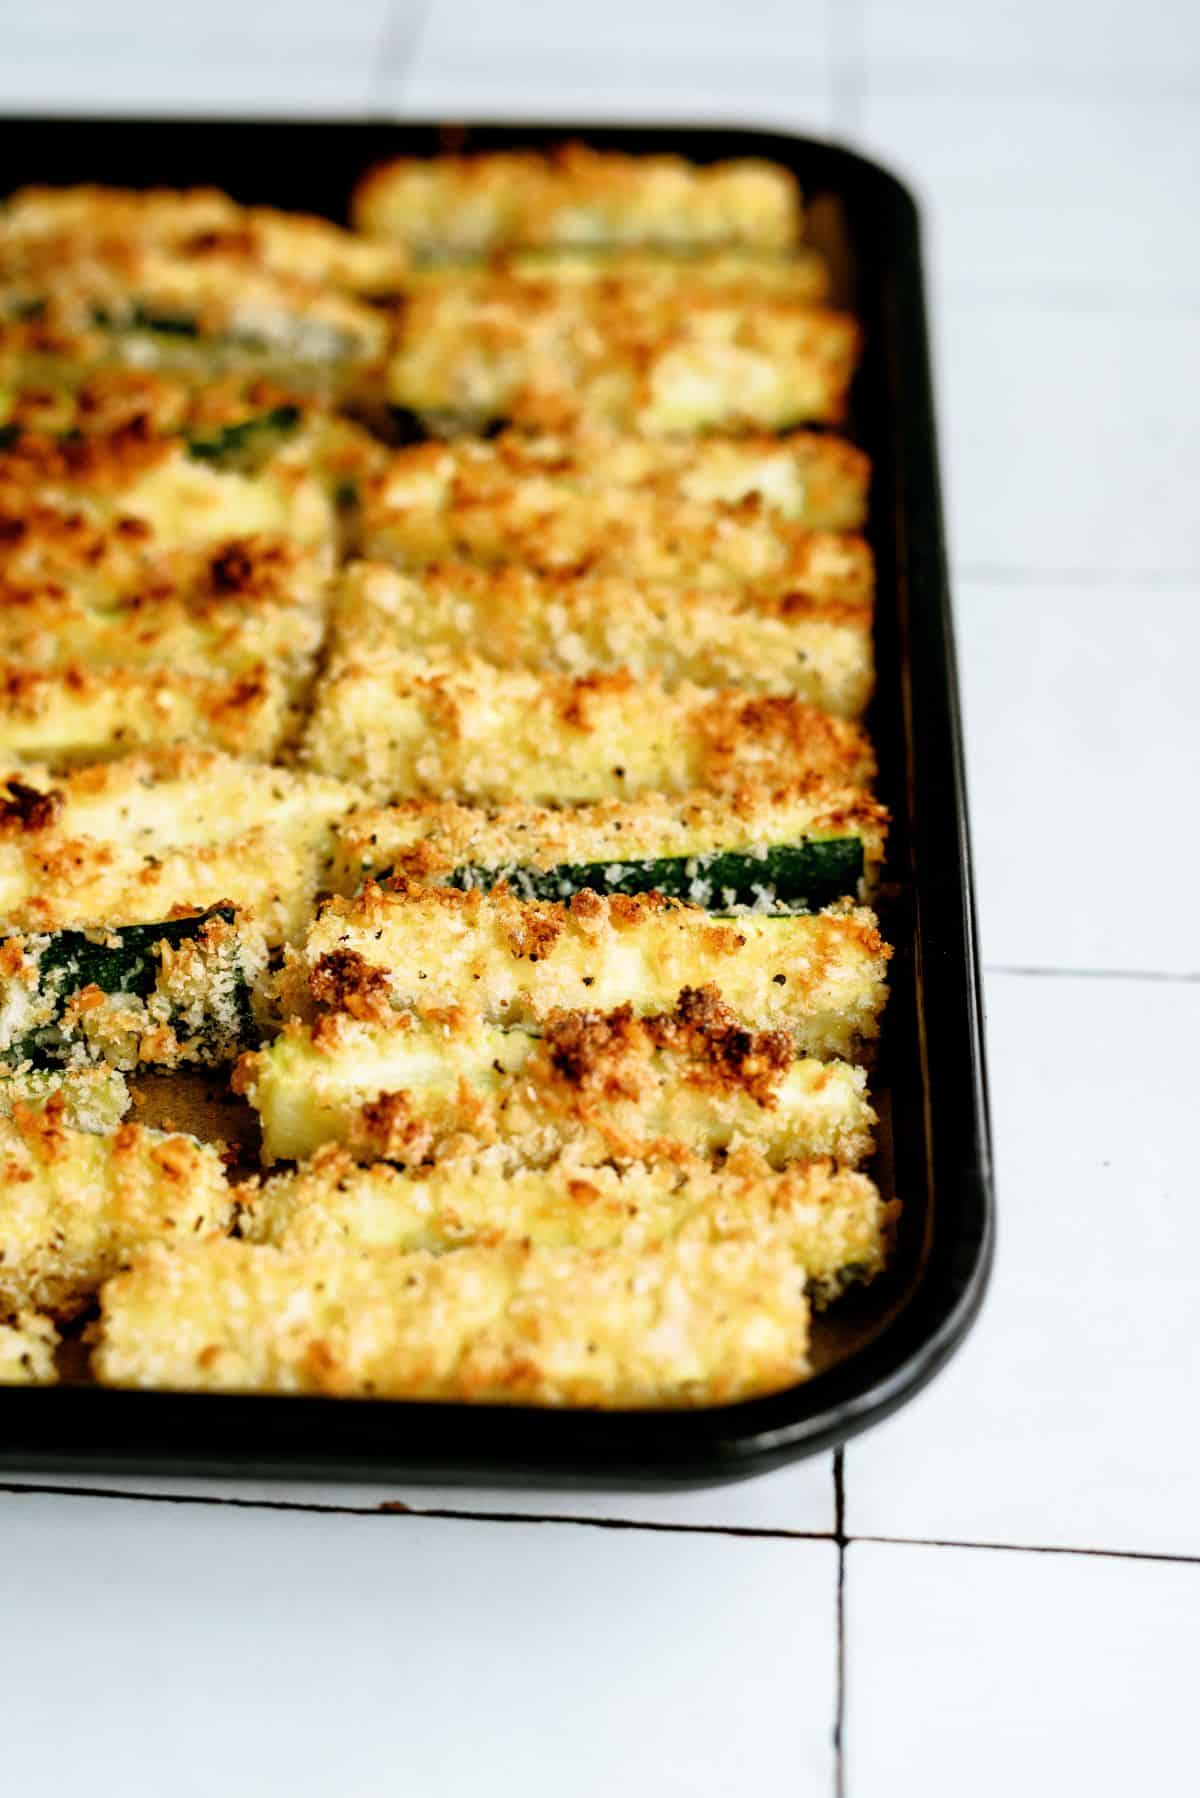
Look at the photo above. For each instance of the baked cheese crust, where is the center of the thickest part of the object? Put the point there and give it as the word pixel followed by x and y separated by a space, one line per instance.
pixel 469 205
pixel 807 477
pixel 817 649
pixel 545 356
pixel 819 977
pixel 401 727
pixel 27 1345
pixel 453 504
pixel 395 1086
pixel 675 1323
pixel 200 222
pixel 429 840
pixel 833 1221
pixel 136 840
pixel 74 1205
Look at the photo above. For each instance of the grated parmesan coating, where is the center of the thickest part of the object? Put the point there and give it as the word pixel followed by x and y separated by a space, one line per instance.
pixel 201 222
pixel 404 1088
pixel 27 1345
pixel 100 499
pixel 401 728
pixel 819 976
pixel 73 1206
pixel 675 1324
pixel 428 840
pixel 184 1001
pixel 134 840
pixel 549 357
pixel 816 648
pixel 465 205
pixel 477 503
pixel 92 1099
pixel 832 1221
pixel 78 714
pixel 211 311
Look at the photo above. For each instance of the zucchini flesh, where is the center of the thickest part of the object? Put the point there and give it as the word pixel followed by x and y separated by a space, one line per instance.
pixel 789 877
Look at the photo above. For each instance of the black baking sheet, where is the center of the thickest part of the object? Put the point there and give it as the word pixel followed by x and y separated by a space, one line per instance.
pixel 877 1347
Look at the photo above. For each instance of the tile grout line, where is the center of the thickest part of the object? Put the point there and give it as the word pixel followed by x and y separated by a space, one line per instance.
pixel 839 1534
pixel 1164 1557
pixel 396 1508
pixel 846 62
pixel 399 40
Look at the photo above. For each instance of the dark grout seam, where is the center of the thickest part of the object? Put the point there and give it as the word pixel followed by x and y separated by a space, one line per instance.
pixel 1037 1548
pixel 1157 975
pixel 395 1508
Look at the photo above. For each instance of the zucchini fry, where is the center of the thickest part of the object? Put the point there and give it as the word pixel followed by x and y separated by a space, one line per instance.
pixel 467 503
pixel 674 1324
pixel 807 478
pixel 92 1099
pixel 833 1221
pixel 791 848
pixel 799 275
pixel 461 206
pixel 401 728
pixel 131 841
pixel 547 357
pixel 397 1087
pixel 196 223
pixel 819 977
pixel 817 649
pixel 73 1205
pixel 137 995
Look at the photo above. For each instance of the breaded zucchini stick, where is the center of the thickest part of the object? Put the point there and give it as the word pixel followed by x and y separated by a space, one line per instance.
pixel 133 995
pixel 813 647
pixel 807 478
pixel 545 357
pixel 201 222
pixel 65 716
pixel 438 508
pixel 573 195
pixel 74 1205
pixel 104 500
pixel 819 977
pixel 833 1221
pixel 131 841
pixel 791 848
pixel 401 728
pixel 675 1324
pixel 402 1088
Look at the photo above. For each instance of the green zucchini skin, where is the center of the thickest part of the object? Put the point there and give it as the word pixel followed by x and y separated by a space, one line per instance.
pixel 130 960
pixel 248 444
pixel 791 876
pixel 244 446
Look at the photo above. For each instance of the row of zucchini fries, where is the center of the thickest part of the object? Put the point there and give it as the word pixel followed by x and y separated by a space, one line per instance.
pixel 432 666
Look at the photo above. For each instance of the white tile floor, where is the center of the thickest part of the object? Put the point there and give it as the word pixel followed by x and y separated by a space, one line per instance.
pixel 199 1646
